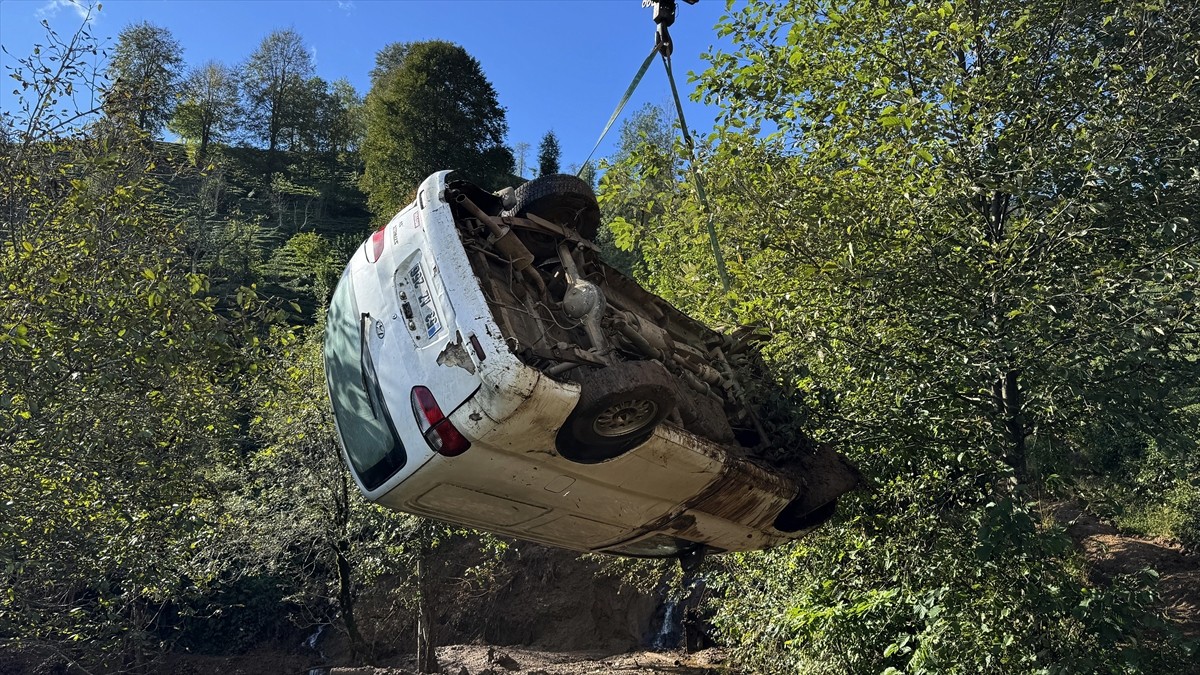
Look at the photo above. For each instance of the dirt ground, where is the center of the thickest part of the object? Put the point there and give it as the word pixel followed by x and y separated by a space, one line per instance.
pixel 484 660
pixel 470 660
pixel 559 618
pixel 1111 553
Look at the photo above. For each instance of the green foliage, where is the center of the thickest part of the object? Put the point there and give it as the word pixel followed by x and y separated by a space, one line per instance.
pixel 430 108
pixel 141 501
pixel 295 513
pixel 308 254
pixel 275 83
pixel 343 117
pixel 118 393
pixel 208 110
pixel 645 165
pixel 1145 487
pixel 232 615
pixel 972 230
pixel 145 72
pixel 936 597
pixel 548 154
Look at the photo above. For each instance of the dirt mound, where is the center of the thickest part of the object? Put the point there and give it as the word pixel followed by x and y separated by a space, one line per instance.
pixel 556 600
pixel 1110 553
pixel 535 597
pixel 484 660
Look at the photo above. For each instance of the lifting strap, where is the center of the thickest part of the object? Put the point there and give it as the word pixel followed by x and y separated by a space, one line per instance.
pixel 663 45
pixel 620 106
pixel 699 181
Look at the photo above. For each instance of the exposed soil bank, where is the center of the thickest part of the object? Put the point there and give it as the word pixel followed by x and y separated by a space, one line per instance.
pixel 1110 553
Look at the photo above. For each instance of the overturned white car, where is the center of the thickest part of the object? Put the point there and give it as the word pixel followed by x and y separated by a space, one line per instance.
pixel 487 368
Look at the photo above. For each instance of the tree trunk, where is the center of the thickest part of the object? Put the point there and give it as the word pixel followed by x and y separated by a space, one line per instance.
pixel 346 598
pixel 426 648
pixel 1011 402
pixel 203 146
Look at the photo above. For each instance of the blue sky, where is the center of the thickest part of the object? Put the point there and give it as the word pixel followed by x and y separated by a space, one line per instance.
pixel 556 64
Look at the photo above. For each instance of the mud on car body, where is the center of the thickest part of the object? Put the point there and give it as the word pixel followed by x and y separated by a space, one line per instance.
pixel 487 368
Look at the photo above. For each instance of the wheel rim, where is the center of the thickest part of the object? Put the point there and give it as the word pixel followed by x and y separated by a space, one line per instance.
pixel 624 418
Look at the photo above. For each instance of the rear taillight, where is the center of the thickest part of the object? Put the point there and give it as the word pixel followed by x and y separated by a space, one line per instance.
pixel 375 245
pixel 437 430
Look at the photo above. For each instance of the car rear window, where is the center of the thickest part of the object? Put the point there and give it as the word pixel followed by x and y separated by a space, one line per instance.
pixel 363 421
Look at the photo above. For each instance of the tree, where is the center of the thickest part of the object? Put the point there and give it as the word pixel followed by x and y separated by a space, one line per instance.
pixel 274 83
pixel 969 228
pixel 430 108
pixel 305 132
pixel 548 152
pixel 209 107
pixel 297 509
pixel 298 513
pixel 145 72
pixel 520 151
pixel 343 117
pixel 118 393
pixel 328 119
pixel 645 165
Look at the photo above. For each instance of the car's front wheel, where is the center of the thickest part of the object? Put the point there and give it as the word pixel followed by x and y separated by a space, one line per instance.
pixel 619 407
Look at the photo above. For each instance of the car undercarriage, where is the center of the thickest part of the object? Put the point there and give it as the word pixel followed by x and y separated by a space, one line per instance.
pixel 639 361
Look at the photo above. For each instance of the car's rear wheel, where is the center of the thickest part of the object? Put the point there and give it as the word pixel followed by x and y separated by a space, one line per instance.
pixel 559 198
pixel 619 407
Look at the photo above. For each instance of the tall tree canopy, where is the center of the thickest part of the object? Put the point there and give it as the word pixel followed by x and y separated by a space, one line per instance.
pixel 343 117
pixel 145 71
pixel 548 154
pixel 430 107
pixel 328 117
pixel 973 229
pixel 209 106
pixel 274 82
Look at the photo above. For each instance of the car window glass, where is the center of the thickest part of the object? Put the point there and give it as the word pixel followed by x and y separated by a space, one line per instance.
pixel 364 423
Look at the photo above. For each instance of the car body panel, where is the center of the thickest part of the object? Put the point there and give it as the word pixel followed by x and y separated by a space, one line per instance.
pixel 430 324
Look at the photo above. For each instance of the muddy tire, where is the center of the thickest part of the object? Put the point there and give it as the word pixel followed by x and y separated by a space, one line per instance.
pixel 559 198
pixel 618 409
pixel 703 416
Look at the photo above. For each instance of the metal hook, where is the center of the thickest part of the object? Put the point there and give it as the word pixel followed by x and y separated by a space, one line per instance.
pixel 664 16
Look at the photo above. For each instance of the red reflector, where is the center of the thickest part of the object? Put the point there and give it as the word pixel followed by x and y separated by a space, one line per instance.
pixel 438 431
pixel 375 249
